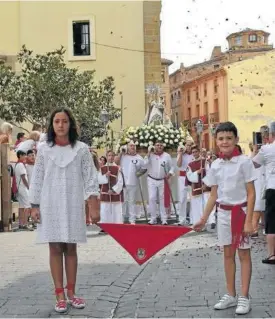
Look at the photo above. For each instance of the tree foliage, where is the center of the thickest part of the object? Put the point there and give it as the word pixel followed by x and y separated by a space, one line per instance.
pixel 46 82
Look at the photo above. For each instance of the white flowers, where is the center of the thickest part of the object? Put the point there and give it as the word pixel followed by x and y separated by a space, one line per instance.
pixel 146 135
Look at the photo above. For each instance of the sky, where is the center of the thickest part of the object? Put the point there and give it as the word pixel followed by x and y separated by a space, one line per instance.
pixel 191 28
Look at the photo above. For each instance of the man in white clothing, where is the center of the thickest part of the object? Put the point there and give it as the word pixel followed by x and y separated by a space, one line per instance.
pixel 130 163
pixel 22 184
pixel 159 169
pixel 184 158
pixel 111 193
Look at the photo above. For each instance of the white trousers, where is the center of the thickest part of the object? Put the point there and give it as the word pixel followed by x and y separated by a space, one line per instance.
pixel 111 213
pixel 212 218
pixel 196 210
pixel 182 191
pixel 129 205
pixel 198 204
pixel 156 188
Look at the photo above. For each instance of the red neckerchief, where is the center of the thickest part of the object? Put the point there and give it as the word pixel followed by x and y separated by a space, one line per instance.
pixel 20 161
pixel 235 152
pixel 61 143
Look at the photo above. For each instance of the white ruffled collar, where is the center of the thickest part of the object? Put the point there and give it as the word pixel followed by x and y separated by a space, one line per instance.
pixel 62 156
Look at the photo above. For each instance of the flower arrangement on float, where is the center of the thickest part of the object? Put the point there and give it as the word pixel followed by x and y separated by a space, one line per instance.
pixel 146 135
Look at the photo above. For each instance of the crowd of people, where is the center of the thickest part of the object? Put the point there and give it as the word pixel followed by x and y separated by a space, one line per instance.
pixel 68 178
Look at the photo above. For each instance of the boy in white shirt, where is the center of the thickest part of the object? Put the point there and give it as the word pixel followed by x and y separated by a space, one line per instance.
pixel 231 179
pixel 21 179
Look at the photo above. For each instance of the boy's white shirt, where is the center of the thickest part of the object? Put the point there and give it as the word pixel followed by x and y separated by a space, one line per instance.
pixel 231 177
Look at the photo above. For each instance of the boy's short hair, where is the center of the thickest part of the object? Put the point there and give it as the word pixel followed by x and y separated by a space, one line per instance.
pixel 30 152
pixel 195 147
pixel 227 127
pixel 20 153
pixel 20 135
pixel 158 142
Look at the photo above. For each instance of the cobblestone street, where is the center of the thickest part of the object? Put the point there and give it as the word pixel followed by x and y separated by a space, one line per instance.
pixel 184 280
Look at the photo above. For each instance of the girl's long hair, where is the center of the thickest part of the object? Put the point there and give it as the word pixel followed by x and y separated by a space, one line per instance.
pixel 73 131
pixel 96 161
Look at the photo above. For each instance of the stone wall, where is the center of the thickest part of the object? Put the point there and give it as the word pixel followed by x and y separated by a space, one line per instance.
pixel 152 55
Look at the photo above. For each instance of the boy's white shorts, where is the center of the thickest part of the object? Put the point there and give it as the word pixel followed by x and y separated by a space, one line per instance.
pixel 224 229
pixel 23 200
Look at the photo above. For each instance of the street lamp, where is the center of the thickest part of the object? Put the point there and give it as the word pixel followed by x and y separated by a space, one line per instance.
pixel 121 110
pixel 104 117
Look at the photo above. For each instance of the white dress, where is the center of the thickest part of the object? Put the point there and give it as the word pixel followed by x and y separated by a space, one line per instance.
pixel 63 177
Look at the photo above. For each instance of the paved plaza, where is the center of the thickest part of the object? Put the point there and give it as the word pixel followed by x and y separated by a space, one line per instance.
pixel 184 280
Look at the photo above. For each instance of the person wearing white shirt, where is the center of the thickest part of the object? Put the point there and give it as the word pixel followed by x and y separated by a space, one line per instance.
pixel 184 158
pixel 22 183
pixel 231 179
pixel 160 169
pixel 30 161
pixel 30 143
pixel 266 158
pixel 130 163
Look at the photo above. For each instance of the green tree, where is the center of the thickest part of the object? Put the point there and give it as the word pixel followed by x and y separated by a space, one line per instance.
pixel 46 82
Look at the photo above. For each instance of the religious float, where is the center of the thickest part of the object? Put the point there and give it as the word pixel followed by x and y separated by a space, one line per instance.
pixel 156 126
pixel 146 135
pixel 142 241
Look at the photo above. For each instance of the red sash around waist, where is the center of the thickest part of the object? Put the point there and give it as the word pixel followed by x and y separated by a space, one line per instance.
pixel 237 223
pixel 183 173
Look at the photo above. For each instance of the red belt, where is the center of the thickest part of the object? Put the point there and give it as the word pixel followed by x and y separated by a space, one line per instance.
pixel 230 207
pixel 237 223
pixel 183 173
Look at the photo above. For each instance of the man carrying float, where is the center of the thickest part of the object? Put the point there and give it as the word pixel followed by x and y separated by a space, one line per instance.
pixel 195 172
pixel 159 169
pixel 130 163
pixel 111 194
pixel 184 158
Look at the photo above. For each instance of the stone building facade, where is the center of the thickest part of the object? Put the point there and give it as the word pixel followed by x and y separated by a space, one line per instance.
pixel 200 91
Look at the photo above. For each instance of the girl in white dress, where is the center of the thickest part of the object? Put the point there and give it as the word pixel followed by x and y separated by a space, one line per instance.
pixel 64 176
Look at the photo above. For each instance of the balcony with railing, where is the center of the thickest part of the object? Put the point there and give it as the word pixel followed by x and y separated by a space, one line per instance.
pixel 214 118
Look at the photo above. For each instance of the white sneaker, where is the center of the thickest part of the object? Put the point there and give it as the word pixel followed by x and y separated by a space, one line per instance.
pixel 152 222
pixel 244 305
pixel 164 223
pixel 226 301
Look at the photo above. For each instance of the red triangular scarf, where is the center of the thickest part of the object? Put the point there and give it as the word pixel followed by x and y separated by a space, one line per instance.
pixel 61 142
pixel 167 199
pixel 238 217
pixel 144 241
pixel 235 152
